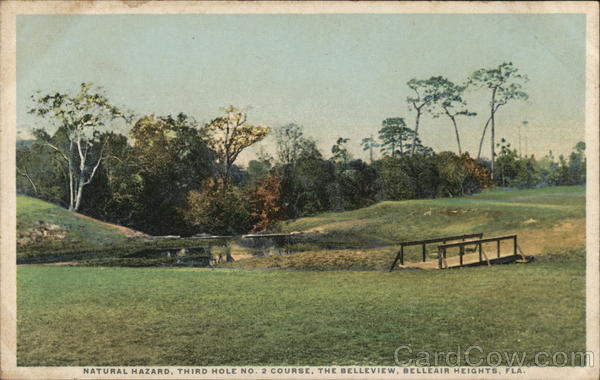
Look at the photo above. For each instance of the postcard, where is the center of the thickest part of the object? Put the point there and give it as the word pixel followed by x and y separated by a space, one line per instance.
pixel 304 190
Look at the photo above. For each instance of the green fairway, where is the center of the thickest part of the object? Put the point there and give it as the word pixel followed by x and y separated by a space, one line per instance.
pixel 160 316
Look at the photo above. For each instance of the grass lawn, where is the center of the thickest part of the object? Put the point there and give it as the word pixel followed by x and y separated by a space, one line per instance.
pixel 228 316
pixel 175 316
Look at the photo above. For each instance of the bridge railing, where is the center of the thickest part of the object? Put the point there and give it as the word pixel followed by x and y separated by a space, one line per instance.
pixel 424 243
pixel 443 248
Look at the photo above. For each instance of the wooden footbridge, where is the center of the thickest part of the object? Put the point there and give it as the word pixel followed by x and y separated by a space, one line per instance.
pixel 462 251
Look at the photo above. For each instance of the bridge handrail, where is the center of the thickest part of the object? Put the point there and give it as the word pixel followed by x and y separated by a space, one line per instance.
pixel 442 248
pixel 471 242
pixel 442 239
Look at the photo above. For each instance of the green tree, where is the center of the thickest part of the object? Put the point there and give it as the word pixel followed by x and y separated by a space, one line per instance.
pixel 228 135
pixel 527 175
pixel 369 143
pixel 259 169
pixel 393 134
pixel 507 164
pixel 40 171
pixel 305 183
pixel 27 161
pixel 218 210
pixel 577 164
pixel 563 176
pixel 80 116
pixel 356 185
pixel 291 143
pixel 340 151
pixel 172 159
pixel 548 170
pixel 114 193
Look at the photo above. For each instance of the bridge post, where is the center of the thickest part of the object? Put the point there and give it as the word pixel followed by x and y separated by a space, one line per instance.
pixel 440 257
pixel 480 251
pixel 515 244
pixel 444 256
pixel 402 254
pixel 461 254
pixel 424 253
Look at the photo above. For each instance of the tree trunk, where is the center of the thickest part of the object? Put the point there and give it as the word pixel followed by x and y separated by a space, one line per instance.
pixel 455 131
pixel 71 184
pixel 412 148
pixel 483 136
pixel 82 181
pixel 24 174
pixel 79 193
pixel 493 132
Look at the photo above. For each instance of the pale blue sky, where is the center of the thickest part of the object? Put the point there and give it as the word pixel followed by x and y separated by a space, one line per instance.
pixel 337 75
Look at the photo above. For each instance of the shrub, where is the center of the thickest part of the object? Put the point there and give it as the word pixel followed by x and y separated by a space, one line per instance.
pixel 218 209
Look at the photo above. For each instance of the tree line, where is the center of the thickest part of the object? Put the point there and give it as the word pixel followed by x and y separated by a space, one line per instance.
pixel 173 175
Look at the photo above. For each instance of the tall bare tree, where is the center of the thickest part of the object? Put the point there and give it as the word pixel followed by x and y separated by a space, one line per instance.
pixel 505 84
pixel 425 94
pixel 449 102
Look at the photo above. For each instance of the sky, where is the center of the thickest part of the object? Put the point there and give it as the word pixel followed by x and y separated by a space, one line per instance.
pixel 336 75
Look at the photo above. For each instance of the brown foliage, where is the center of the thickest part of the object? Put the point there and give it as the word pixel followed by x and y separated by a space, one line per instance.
pixel 266 202
pixel 479 172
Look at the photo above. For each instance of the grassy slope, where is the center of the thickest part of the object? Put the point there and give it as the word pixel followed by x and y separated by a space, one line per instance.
pixel 87 238
pixel 494 211
pixel 82 231
pixel 547 220
pixel 159 316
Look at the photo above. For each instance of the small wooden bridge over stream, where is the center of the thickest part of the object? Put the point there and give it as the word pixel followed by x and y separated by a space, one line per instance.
pixel 461 251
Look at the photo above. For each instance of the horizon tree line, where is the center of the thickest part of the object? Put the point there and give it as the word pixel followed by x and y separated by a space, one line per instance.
pixel 171 173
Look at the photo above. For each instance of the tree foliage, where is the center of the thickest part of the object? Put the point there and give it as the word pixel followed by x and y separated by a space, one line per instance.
pixel 172 158
pixel 218 210
pixel 266 201
pixel 393 135
pixel 228 135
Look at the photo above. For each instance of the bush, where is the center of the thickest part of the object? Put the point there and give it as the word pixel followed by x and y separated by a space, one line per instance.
pixel 218 209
